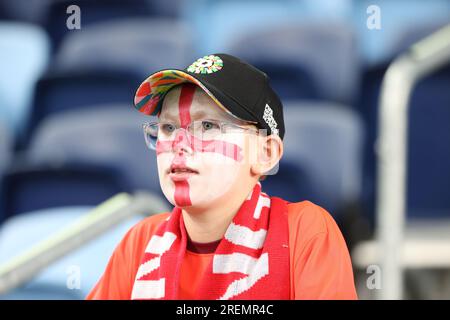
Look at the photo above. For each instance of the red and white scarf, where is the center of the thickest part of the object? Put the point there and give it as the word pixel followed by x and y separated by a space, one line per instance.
pixel 250 262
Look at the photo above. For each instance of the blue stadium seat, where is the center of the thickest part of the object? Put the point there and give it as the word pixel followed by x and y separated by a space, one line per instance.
pixel 30 187
pixel 292 183
pixel 325 139
pixel 62 91
pixel 6 146
pixel 167 8
pixel 97 66
pixel 428 148
pixel 368 105
pixel 304 60
pixel 216 22
pixel 91 12
pixel 137 45
pixel 30 11
pixel 19 233
pixel 24 53
pixel 109 136
pixel 397 18
pixel 6 156
pixel 35 11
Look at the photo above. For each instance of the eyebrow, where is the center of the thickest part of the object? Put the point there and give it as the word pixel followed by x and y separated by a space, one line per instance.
pixel 168 116
pixel 201 115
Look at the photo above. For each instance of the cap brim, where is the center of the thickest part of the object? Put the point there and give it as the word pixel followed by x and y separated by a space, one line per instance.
pixel 150 94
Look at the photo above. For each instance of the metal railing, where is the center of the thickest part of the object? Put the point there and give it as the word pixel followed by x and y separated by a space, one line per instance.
pixel 95 223
pixel 423 58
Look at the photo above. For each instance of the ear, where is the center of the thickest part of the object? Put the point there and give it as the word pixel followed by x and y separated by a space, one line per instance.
pixel 269 153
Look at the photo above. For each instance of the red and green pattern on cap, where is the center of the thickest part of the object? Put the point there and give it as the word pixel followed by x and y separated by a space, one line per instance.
pixel 150 93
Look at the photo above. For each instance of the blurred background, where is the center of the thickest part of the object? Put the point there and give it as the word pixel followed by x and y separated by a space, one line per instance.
pixel 70 138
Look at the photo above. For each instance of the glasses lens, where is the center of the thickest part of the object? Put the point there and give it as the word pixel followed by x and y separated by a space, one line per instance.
pixel 205 129
pixel 166 130
pixel 150 135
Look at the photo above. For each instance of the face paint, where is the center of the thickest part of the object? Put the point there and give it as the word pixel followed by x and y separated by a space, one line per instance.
pixel 216 164
pixel 181 196
pixel 184 107
pixel 227 149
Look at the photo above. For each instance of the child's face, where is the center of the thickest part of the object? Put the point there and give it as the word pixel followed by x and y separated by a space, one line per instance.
pixel 196 170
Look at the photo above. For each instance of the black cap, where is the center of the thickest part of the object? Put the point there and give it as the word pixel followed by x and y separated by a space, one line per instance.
pixel 236 86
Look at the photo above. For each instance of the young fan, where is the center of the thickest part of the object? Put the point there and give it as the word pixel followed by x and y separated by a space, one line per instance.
pixel 218 132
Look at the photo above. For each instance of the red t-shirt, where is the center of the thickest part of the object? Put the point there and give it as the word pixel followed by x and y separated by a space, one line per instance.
pixel 320 265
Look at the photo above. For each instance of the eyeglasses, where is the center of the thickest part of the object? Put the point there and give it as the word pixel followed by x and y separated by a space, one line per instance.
pixel 201 129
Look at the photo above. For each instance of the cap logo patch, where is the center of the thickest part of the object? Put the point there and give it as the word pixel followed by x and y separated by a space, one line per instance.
pixel 206 65
pixel 268 118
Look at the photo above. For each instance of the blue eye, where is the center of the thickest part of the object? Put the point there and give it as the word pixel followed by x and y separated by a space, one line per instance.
pixel 208 125
pixel 167 128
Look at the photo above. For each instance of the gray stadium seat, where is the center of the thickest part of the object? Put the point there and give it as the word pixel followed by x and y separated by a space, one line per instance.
pixel 24 54
pixel 326 139
pixel 137 45
pixel 109 136
pixel 6 155
pixel 326 51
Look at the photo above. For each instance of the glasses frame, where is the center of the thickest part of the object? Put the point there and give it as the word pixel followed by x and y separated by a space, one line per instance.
pixel 151 144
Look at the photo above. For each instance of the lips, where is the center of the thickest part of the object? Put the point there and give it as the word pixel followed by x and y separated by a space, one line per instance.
pixel 180 168
pixel 178 172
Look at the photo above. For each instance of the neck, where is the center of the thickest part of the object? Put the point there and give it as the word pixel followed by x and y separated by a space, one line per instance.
pixel 210 224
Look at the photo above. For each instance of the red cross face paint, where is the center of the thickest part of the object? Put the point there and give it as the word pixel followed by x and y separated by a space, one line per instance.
pixel 194 171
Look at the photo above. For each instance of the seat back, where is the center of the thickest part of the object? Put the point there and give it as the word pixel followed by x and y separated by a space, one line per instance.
pixel 35 187
pixel 109 136
pixel 24 54
pixel 326 139
pixel 325 52
pixel 137 45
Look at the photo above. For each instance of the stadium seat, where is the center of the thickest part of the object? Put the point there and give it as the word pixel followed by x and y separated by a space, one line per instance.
pixel 108 135
pixel 423 237
pixel 6 156
pixel 325 139
pixel 24 54
pixel 6 146
pixel 29 11
pixel 231 17
pixel 300 183
pixel 90 12
pixel 63 91
pixel 97 66
pixel 397 17
pixel 428 148
pixel 136 45
pixel 304 60
pixel 30 187
pixel 167 8
pixel 367 106
pixel 19 233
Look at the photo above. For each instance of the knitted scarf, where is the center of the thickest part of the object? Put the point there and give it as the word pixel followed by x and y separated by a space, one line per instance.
pixel 250 262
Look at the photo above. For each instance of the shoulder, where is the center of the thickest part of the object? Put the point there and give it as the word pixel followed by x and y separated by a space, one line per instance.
pixel 307 220
pixel 139 235
pixel 320 262
pixel 149 224
pixel 152 221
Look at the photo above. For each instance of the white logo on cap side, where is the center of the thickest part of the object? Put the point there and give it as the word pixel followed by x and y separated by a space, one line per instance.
pixel 268 118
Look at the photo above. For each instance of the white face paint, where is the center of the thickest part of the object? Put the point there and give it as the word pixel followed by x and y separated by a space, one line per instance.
pixel 201 172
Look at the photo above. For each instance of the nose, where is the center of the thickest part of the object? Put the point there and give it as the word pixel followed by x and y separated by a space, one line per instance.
pixel 181 141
